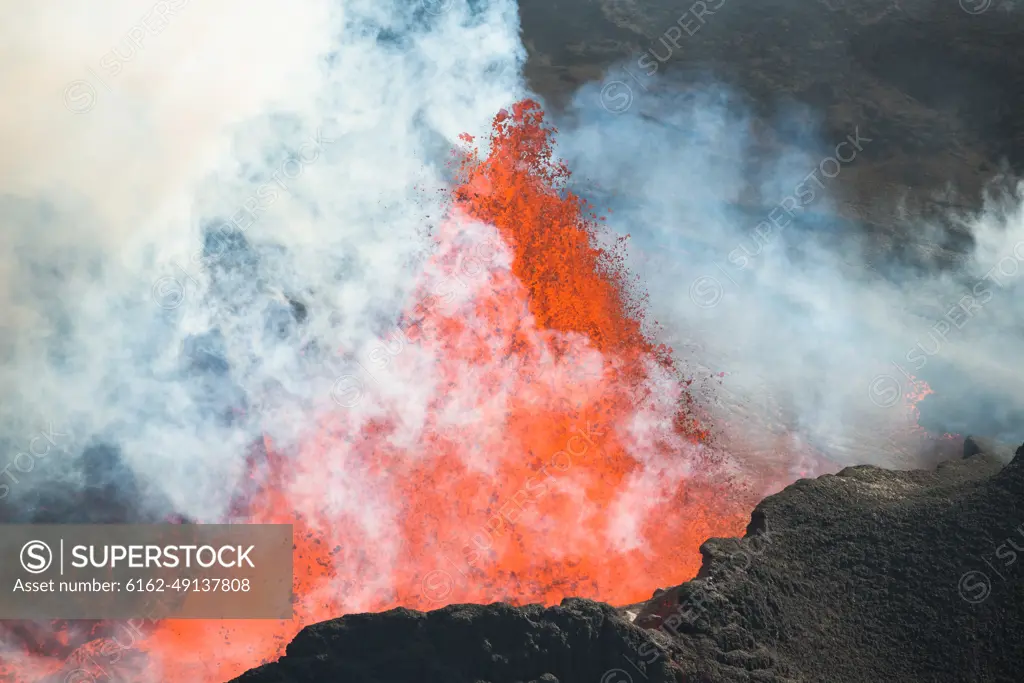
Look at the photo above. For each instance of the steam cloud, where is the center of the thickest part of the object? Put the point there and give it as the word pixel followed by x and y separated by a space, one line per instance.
pixel 203 201
pixel 182 182
pixel 752 272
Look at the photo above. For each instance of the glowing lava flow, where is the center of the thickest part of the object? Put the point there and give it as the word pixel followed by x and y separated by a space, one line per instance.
pixel 528 440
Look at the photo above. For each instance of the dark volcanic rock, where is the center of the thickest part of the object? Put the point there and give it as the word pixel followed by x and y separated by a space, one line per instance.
pixel 938 87
pixel 577 641
pixel 973 445
pixel 868 575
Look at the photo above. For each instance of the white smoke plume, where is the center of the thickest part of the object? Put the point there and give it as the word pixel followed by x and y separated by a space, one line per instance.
pixel 182 180
pixel 752 271
pixel 203 201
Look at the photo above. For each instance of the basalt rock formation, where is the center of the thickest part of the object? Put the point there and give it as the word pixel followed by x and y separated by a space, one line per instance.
pixel 867 575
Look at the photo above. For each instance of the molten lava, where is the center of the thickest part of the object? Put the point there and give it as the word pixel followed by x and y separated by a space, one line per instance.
pixel 526 441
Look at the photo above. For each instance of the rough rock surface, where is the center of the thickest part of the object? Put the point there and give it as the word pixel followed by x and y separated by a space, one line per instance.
pixel 577 641
pixel 975 445
pixel 867 575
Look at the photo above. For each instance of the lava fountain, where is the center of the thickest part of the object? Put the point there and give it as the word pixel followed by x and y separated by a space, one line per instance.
pixel 522 438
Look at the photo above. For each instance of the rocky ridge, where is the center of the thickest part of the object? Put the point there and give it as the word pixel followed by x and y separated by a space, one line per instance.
pixel 865 575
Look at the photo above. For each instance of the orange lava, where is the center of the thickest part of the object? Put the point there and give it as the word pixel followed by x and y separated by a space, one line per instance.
pixel 518 436
pixel 918 391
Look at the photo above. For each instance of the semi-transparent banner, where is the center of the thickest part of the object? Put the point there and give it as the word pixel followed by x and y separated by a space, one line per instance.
pixel 152 571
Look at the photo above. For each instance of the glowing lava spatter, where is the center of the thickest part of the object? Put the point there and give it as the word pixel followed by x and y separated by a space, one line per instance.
pixel 528 441
pixel 917 392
